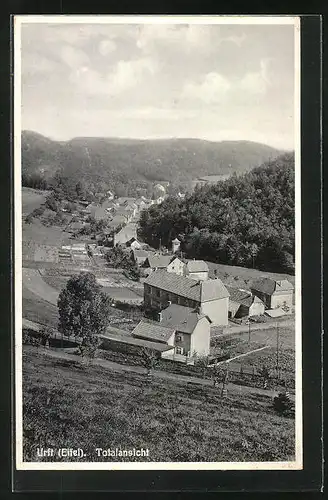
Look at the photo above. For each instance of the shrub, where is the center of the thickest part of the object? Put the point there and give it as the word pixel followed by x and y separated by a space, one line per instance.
pixel 283 405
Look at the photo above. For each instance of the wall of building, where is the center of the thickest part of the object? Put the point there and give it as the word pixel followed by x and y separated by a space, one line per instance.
pixel 156 297
pixel 184 342
pixel 200 338
pixel 263 296
pixel 279 299
pixel 216 310
pixel 201 275
pixel 176 267
pixel 256 309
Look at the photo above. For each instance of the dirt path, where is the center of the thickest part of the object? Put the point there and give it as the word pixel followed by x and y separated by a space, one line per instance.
pixel 33 281
pixel 182 379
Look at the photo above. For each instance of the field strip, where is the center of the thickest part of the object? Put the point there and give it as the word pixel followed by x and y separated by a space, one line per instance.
pixel 33 281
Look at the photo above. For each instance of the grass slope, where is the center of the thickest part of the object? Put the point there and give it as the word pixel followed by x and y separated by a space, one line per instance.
pixel 71 406
pixel 31 199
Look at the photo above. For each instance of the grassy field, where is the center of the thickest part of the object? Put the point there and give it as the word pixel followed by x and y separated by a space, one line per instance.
pixel 38 310
pixel 67 405
pixel 269 336
pixel 45 235
pixel 32 198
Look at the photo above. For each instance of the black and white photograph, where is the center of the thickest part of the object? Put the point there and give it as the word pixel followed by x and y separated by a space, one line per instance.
pixel 158 320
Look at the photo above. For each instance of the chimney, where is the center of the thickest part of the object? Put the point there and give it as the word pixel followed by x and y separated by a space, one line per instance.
pixel 159 317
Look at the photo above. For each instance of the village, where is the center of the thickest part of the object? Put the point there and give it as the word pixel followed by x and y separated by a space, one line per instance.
pixel 183 310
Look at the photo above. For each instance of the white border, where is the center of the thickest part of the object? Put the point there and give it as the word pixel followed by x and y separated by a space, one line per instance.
pixel 68 19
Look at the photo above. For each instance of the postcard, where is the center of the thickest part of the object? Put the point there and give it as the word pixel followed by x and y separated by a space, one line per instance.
pixel 157 243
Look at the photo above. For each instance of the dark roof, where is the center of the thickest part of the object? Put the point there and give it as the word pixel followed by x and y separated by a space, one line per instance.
pixel 196 266
pixel 201 291
pixel 243 297
pixel 183 319
pixel 128 339
pixel 159 261
pixel 153 330
pixel 269 286
pixel 138 252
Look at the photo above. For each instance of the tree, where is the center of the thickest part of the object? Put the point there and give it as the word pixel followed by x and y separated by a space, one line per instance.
pixel 203 362
pixel 264 372
pixel 149 359
pixel 88 348
pixel 46 333
pixel 83 309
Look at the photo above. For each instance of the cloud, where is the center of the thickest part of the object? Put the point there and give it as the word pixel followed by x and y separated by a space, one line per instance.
pixel 257 82
pixel 211 89
pixel 106 46
pixel 215 88
pixel 72 56
pixel 125 75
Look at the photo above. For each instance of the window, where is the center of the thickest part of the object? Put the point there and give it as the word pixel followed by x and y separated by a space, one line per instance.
pixel 179 350
pixel 179 338
pixel 158 292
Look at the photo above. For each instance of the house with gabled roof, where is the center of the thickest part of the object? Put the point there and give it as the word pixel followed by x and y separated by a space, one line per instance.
pixel 274 293
pixel 156 261
pixel 139 256
pixel 176 266
pixel 196 269
pixel 242 303
pixel 184 328
pixel 211 297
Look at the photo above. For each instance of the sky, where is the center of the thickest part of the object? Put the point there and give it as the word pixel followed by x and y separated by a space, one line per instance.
pixel 215 82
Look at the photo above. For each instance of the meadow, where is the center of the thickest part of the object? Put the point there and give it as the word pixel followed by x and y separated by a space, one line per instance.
pixel 67 404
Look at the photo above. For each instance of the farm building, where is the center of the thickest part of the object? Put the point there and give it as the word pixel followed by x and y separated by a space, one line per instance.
pixel 243 303
pixel 176 266
pixel 183 328
pixel 134 243
pixel 157 261
pixel 211 296
pixel 139 256
pixel 274 293
pixel 196 270
pixel 125 234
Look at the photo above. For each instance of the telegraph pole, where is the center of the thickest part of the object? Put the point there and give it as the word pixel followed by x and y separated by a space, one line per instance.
pixel 249 332
pixel 277 368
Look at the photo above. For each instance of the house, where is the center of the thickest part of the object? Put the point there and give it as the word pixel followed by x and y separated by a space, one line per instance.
pixel 192 329
pixel 160 200
pixel 211 297
pixel 197 270
pixel 243 303
pixel 121 212
pixel 125 234
pixel 98 212
pixel 176 266
pixel 157 261
pixel 274 293
pixel 139 256
pixel 184 329
pixel 115 222
pixel 134 243
pixel 110 195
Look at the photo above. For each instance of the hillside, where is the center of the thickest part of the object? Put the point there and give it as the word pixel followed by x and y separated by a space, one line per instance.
pixel 246 220
pixel 124 161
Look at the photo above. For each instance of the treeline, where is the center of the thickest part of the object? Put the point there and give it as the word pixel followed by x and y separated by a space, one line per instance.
pixel 246 220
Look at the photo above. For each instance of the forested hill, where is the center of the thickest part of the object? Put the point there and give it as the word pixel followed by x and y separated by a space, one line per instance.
pixel 246 220
pixel 115 161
